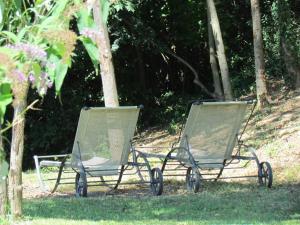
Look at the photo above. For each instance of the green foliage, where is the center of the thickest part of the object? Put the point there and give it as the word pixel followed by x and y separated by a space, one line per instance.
pixel 5 99
pixel 85 20
pixel 3 170
pixel 280 22
pixel 141 32
pixel 2 7
pixel 27 30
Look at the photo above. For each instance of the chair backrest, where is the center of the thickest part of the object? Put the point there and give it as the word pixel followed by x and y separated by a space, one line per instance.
pixel 103 136
pixel 211 130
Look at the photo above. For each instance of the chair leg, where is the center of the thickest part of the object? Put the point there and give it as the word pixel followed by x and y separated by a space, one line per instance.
pixel 120 178
pixel 61 168
pixel 220 174
pixel 81 184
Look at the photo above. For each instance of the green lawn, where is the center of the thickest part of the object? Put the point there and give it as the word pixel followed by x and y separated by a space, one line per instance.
pixel 219 203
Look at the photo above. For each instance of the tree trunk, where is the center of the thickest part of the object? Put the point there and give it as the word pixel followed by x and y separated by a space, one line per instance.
pixel 261 87
pixel 3 198
pixel 220 49
pixel 213 60
pixel 291 64
pixel 3 184
pixel 289 58
pixel 106 65
pixel 17 147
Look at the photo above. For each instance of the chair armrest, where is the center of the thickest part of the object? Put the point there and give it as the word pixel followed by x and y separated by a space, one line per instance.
pixel 52 156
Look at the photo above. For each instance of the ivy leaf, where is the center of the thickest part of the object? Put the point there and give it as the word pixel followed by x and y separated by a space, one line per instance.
pixel 57 10
pixel 85 21
pixel 129 6
pixel 60 49
pixel 21 34
pixel 11 36
pixel 92 50
pixel 18 4
pixel 60 74
pixel 118 6
pixel 2 7
pixel 38 2
pixel 3 170
pixel 5 99
pixel 37 70
pixel 105 4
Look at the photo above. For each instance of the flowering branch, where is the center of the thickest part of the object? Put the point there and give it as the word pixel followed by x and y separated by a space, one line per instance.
pixel 17 120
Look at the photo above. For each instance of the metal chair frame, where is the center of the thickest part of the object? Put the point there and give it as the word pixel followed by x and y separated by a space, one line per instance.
pixel 82 173
pixel 264 175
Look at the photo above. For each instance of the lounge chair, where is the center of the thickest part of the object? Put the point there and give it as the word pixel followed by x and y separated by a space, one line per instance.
pixel 211 142
pixel 102 148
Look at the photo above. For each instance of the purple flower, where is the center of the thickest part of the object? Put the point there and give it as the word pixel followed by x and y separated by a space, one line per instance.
pixel 50 84
pixel 44 75
pixel 31 78
pixel 21 76
pixel 90 33
pixel 32 51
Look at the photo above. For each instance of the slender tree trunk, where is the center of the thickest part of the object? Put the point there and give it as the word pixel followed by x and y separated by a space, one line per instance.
pixel 291 64
pixel 196 76
pixel 213 60
pixel 3 184
pixel 290 60
pixel 261 87
pixel 106 64
pixel 220 49
pixel 17 148
pixel 3 198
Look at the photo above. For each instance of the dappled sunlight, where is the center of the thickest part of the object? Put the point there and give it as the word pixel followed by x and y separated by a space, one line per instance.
pixel 217 203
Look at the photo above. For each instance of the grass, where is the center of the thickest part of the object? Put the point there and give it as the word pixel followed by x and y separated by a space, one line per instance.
pixel 218 203
pixel 292 173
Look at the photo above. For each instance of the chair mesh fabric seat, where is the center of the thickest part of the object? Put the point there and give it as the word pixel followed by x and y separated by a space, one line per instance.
pixel 211 132
pixel 102 141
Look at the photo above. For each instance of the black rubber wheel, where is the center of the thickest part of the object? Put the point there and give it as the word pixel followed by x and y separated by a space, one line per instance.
pixel 193 179
pixel 156 184
pixel 265 175
pixel 81 185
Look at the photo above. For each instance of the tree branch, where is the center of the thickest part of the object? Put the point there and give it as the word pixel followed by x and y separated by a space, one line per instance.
pixel 31 106
pixel 196 76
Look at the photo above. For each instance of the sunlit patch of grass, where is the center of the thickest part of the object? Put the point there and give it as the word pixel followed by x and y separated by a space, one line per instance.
pixel 3 221
pixel 292 174
pixel 218 203
pixel 273 148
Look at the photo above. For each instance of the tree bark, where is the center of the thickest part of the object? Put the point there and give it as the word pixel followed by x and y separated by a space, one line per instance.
pixel 106 64
pixel 291 64
pixel 290 60
pixel 214 21
pixel 213 60
pixel 3 184
pixel 261 87
pixel 17 148
pixel 3 198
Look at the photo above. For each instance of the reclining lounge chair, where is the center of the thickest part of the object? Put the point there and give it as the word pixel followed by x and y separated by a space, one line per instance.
pixel 102 148
pixel 211 142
